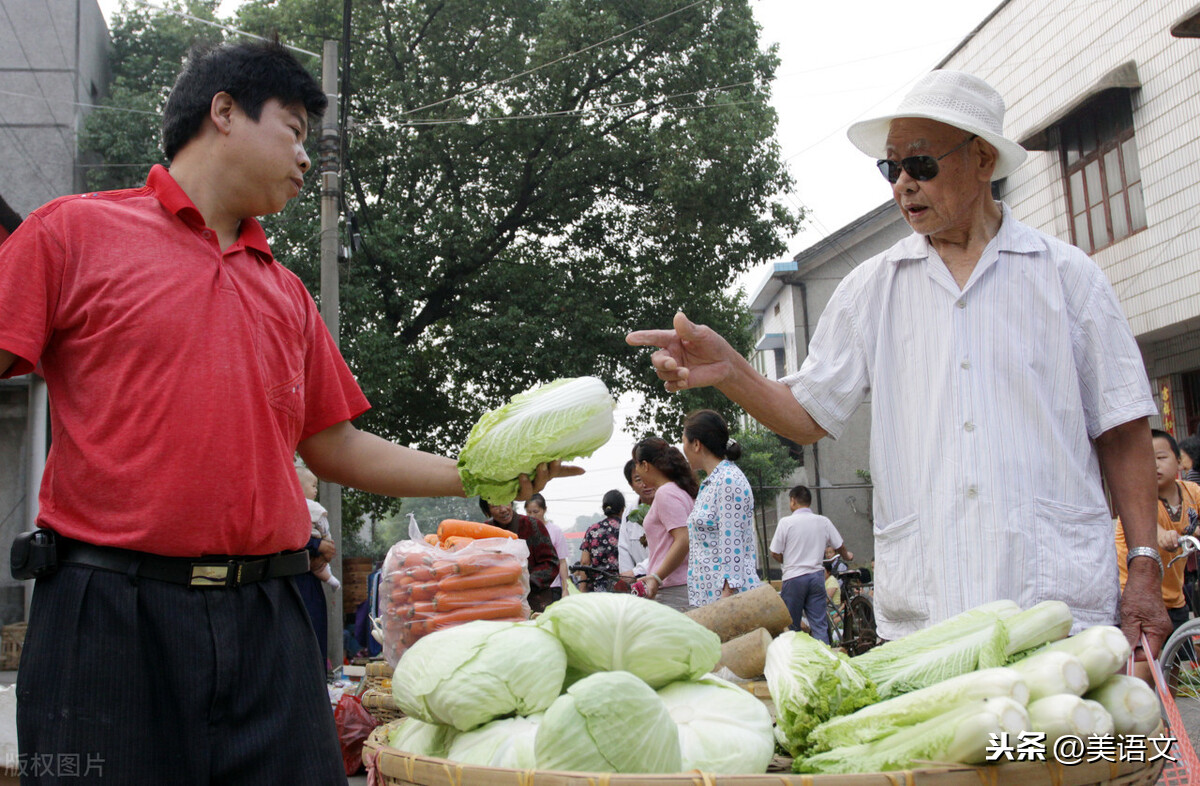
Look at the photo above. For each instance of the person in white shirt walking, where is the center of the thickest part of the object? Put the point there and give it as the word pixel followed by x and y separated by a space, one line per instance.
pixel 799 545
pixel 1003 382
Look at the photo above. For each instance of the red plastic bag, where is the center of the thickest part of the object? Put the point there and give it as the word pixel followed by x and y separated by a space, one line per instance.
pixel 354 724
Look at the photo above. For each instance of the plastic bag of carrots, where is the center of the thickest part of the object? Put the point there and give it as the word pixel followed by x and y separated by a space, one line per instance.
pixel 426 587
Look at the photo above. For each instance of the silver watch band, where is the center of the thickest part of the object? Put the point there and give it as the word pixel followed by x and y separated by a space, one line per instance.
pixel 1145 551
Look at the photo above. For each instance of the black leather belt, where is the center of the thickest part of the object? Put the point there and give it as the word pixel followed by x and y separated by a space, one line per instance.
pixel 214 571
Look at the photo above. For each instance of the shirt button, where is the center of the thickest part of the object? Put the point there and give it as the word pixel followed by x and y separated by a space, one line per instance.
pixel 206 234
pixel 972 492
pixel 961 304
pixel 966 364
pixel 968 426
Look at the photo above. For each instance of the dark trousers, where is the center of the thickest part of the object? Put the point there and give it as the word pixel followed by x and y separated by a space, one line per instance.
pixel 133 681
pixel 806 595
pixel 312 592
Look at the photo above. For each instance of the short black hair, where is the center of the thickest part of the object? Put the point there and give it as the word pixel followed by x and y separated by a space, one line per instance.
pixel 1160 434
pixel 1191 446
pixel 801 494
pixel 252 73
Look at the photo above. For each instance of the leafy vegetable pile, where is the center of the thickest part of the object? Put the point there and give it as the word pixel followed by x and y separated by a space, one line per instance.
pixel 947 689
pixel 599 682
pixel 565 419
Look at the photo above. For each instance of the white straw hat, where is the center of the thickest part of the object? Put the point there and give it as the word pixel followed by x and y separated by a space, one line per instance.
pixel 952 97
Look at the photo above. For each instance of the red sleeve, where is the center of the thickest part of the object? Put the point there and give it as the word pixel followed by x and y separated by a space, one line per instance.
pixel 32 261
pixel 332 395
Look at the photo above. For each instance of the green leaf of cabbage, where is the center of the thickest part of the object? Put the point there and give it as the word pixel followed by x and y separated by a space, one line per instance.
pixel 722 728
pixel 809 684
pixel 959 735
pixel 507 742
pixel 565 419
pixel 605 631
pixel 885 717
pixel 468 675
pixel 608 722
pixel 413 735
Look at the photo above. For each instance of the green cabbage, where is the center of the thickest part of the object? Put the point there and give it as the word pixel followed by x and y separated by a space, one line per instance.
pixel 507 742
pixel 565 419
pixel 809 684
pixel 468 675
pixel 605 631
pixel 608 722
pixel 413 735
pixel 722 728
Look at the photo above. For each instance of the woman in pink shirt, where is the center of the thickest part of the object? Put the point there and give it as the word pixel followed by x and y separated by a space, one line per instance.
pixel 665 469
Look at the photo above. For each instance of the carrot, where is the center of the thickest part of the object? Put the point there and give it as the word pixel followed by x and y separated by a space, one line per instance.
pixel 509 607
pixel 456 542
pixel 414 558
pixel 473 564
pixel 448 601
pixel 471 529
pixel 425 591
pixel 420 573
pixel 498 574
pixel 423 609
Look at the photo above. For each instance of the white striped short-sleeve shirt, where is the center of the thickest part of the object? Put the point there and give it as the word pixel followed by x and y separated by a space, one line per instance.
pixel 984 401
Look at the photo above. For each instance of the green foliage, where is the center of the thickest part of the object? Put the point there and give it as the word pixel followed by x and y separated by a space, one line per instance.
pixel 532 179
pixel 375 538
pixel 765 460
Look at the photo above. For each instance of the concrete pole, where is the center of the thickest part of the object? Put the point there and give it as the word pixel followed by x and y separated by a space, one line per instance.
pixel 330 171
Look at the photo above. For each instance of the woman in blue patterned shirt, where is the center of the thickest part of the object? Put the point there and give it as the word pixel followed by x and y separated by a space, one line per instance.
pixel 723 554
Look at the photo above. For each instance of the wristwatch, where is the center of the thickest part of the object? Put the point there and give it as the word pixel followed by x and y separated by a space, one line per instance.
pixel 1145 551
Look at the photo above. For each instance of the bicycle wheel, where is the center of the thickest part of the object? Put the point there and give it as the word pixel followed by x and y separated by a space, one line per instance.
pixel 860 620
pixel 1178 660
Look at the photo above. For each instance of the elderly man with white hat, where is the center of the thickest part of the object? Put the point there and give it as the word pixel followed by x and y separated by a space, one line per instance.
pixel 1003 381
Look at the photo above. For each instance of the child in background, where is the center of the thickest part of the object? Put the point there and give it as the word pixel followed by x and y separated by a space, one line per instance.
pixel 320 522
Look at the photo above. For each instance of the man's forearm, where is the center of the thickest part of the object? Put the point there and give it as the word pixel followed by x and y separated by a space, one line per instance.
pixel 1126 455
pixel 771 403
pixel 343 454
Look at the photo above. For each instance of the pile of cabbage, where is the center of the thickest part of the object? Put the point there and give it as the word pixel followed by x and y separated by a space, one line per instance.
pixel 598 683
pixel 939 695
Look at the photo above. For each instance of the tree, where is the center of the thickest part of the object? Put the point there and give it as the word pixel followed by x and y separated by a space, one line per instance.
pixel 531 179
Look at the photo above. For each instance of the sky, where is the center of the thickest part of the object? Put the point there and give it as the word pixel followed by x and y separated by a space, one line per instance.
pixel 839 62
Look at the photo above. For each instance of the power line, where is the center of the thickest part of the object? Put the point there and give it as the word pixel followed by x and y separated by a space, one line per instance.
pixel 223 27
pixel 529 71
pixel 100 107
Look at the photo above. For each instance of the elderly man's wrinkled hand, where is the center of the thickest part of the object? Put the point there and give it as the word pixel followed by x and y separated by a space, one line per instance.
pixel 1142 609
pixel 690 355
pixel 543 475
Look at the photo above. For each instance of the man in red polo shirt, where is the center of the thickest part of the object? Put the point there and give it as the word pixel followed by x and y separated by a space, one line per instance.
pixel 185 368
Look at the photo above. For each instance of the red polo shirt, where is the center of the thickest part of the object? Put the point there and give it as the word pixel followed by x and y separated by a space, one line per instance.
pixel 181 377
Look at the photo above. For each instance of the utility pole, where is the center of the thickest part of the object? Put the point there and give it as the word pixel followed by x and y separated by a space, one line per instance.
pixel 328 148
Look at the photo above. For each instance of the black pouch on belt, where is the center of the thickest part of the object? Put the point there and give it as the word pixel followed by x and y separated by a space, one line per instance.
pixel 34 555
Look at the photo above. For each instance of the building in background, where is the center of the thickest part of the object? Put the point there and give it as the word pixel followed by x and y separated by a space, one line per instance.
pixel 1103 96
pixel 53 64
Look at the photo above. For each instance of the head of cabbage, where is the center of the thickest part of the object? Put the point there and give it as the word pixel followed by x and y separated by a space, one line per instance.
pixel 604 631
pixel 722 728
pixel 468 675
pixel 608 722
pixel 565 419
pixel 507 742
pixel 413 735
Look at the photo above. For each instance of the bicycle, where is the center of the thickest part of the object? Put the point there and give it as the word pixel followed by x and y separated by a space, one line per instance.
pixel 1178 660
pixel 857 634
pixel 616 582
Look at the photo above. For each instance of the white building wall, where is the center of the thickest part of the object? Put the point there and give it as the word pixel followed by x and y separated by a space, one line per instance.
pixel 1042 56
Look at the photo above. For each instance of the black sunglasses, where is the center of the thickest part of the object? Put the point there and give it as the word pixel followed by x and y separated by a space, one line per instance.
pixel 918 167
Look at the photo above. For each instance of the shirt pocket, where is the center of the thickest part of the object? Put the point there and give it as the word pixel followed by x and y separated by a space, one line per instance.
pixel 900 591
pixel 281 365
pixel 1075 557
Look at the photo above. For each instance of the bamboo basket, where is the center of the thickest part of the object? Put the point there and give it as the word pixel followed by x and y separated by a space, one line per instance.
pixel 395 768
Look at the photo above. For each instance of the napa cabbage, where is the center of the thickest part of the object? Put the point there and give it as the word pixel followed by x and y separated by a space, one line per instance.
pixel 565 419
